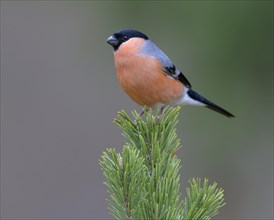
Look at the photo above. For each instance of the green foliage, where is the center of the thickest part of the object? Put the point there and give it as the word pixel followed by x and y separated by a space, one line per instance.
pixel 144 182
pixel 125 174
pixel 202 202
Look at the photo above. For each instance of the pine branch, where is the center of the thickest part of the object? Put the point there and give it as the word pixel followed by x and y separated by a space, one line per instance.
pixel 125 173
pixel 202 202
pixel 144 182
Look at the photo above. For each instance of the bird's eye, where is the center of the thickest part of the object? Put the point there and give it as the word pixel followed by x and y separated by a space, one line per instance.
pixel 125 38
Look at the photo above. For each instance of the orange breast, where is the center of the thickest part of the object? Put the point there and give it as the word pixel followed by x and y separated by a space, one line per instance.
pixel 143 79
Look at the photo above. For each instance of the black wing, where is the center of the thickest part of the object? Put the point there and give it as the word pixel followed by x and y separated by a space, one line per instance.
pixel 177 74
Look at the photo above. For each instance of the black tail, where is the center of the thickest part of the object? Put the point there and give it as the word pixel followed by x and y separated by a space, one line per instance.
pixel 194 95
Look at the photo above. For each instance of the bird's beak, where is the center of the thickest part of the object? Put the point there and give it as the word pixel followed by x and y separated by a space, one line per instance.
pixel 112 40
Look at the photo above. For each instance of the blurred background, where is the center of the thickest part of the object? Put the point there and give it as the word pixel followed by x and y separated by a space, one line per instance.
pixel 59 96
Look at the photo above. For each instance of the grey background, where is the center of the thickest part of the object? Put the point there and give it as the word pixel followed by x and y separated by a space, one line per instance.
pixel 59 96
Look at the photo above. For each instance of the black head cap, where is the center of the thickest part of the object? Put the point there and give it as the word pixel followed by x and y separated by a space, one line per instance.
pixel 122 36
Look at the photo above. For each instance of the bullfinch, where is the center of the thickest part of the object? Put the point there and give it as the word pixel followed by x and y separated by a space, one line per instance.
pixel 148 75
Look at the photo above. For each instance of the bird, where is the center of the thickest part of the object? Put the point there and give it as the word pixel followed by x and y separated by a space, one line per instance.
pixel 149 77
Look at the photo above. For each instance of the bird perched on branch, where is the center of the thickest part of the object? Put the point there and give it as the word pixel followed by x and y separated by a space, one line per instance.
pixel 149 77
